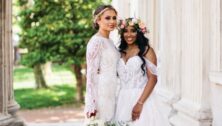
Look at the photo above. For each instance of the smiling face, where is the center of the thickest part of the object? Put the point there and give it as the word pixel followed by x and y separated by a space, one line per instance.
pixel 108 20
pixel 129 34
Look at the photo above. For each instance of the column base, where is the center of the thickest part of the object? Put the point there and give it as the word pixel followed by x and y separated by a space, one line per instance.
pixel 5 119
pixel 17 122
pixel 189 114
pixel 216 94
pixel 167 100
pixel 13 107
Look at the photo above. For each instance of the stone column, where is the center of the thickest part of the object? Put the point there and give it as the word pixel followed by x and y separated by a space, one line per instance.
pixel 146 11
pixel 13 107
pixel 123 8
pixel 216 104
pixel 169 46
pixel 215 36
pixel 8 106
pixel 220 11
pixel 193 108
pixel 216 61
pixel 5 118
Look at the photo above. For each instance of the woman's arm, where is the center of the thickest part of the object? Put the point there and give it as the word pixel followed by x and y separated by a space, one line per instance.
pixel 152 79
pixel 93 55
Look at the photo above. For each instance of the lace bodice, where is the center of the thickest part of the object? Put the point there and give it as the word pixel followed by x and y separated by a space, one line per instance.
pixel 102 58
pixel 131 74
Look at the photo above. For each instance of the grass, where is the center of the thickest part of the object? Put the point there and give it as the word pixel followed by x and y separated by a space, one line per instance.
pixel 23 74
pixel 61 89
pixel 38 98
pixel 24 77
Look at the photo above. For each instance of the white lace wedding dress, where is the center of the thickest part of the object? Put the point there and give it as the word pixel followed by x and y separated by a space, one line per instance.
pixel 131 87
pixel 101 85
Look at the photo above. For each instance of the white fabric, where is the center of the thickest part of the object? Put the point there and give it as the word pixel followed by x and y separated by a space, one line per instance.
pixel 151 67
pixel 101 87
pixel 133 82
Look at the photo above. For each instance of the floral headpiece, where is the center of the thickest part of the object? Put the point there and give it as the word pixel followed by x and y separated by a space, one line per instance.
pixel 99 14
pixel 136 23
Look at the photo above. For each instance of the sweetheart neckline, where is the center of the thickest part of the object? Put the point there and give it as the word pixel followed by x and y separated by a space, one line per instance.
pixel 126 62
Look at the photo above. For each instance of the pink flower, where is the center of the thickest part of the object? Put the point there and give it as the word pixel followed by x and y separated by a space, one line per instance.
pixel 144 30
pixel 124 22
pixel 122 26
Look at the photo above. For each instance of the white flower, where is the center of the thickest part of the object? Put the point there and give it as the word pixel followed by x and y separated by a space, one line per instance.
pixel 94 122
pixel 134 20
pixel 131 23
pixel 99 122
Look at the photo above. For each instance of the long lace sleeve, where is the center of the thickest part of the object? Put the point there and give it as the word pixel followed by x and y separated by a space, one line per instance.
pixel 93 55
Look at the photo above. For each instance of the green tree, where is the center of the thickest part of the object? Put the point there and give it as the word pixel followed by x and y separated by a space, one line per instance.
pixel 57 30
pixel 29 38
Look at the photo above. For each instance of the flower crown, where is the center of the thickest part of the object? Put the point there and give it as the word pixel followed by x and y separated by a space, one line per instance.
pixel 136 23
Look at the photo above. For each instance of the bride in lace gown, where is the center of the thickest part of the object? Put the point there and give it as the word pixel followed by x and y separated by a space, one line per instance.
pixel 102 58
pixel 138 75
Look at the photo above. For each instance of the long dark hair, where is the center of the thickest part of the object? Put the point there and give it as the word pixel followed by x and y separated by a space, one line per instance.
pixel 143 44
pixel 100 9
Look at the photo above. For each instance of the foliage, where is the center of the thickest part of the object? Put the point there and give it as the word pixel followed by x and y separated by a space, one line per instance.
pixel 55 30
pixel 98 122
pixel 31 98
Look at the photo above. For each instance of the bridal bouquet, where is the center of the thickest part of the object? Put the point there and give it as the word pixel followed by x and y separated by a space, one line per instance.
pixel 122 123
pixel 98 122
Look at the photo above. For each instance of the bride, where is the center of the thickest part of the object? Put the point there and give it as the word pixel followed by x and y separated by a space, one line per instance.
pixel 138 76
pixel 102 58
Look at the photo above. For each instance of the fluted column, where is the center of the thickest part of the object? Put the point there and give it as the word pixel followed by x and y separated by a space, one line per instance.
pixel 193 108
pixel 8 106
pixel 216 104
pixel 12 104
pixel 216 62
pixel 146 11
pixel 169 46
pixel 220 42
pixel 5 118
pixel 122 7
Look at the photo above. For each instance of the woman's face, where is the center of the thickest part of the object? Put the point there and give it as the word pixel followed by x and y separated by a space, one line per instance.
pixel 107 20
pixel 129 34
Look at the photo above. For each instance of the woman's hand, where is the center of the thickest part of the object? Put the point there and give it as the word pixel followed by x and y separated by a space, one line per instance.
pixel 137 109
pixel 92 114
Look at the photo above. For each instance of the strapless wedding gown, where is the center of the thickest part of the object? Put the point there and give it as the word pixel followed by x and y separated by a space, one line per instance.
pixel 132 85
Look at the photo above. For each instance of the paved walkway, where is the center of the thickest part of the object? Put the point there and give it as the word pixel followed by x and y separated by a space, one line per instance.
pixel 58 116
